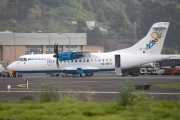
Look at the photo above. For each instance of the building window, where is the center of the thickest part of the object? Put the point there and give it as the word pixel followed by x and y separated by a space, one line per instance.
pixel 35 49
pixel 50 49
pixel 73 47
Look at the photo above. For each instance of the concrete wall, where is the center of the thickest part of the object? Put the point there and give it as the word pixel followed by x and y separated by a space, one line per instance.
pixel 1 53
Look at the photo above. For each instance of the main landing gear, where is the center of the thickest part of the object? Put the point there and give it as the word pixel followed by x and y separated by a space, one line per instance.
pixel 85 74
pixel 131 71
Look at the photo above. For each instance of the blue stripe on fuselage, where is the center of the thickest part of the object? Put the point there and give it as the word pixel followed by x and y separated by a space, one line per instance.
pixel 66 71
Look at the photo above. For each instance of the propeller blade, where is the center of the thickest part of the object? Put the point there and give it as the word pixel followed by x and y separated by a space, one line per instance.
pixel 57 62
pixel 56 55
pixel 55 48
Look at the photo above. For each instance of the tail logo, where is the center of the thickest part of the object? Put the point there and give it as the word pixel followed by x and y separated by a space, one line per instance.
pixel 156 36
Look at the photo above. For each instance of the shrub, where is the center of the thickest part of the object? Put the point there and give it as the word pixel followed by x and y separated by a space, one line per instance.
pixel 125 95
pixel 26 98
pixel 68 98
pixel 49 93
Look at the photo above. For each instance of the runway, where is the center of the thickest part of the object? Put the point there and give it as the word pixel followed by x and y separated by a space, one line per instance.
pixel 101 86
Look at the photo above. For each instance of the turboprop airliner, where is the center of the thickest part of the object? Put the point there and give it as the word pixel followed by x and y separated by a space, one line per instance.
pixel 124 62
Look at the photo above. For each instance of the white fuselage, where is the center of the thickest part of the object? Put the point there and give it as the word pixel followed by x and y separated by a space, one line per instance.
pixel 147 50
pixel 94 62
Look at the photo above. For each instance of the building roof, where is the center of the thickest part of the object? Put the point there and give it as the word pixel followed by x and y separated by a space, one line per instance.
pixel 9 38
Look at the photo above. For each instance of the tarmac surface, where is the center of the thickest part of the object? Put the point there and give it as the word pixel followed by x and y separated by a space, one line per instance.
pixel 99 87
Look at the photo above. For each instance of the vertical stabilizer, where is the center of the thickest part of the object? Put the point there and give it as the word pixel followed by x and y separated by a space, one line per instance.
pixel 152 43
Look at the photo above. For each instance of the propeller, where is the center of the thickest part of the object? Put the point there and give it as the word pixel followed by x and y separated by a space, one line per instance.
pixel 56 55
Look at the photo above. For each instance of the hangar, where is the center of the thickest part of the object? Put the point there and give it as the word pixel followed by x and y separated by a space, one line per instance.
pixel 13 45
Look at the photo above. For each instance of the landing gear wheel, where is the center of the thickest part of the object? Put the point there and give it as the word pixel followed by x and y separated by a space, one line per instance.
pixel 135 72
pixel 89 74
pixel 125 72
pixel 82 75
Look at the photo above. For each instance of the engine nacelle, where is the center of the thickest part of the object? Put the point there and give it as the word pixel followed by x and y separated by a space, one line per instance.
pixel 69 56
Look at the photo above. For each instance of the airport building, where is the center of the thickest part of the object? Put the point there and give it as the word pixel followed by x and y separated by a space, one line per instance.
pixel 13 45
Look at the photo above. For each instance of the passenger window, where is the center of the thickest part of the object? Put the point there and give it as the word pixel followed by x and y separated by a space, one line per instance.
pixel 72 61
pixel 91 60
pixel 95 60
pixel 75 60
pixel 87 60
pixel 103 60
pixel 21 59
pixel 99 60
pixel 79 60
pixel 25 59
pixel 106 59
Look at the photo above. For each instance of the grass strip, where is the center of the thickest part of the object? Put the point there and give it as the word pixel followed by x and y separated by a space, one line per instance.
pixel 164 110
pixel 168 85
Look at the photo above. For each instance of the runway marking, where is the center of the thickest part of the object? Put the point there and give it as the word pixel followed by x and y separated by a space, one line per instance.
pixel 21 85
pixel 42 83
pixel 93 92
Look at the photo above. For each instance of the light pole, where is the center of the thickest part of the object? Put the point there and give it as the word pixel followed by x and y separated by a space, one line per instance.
pixel 49 41
pixel 68 38
pixel 48 37
pixel 14 47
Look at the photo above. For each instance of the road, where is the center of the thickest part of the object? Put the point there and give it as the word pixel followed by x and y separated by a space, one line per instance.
pixel 101 86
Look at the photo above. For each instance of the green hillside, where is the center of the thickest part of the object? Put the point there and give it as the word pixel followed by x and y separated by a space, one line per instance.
pixel 57 15
pixel 117 16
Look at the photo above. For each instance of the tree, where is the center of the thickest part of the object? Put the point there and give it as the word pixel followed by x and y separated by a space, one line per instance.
pixel 81 23
pixel 94 37
pixel 87 5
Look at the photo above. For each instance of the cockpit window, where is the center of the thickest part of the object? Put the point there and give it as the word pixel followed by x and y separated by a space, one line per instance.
pixel 21 59
pixel 18 59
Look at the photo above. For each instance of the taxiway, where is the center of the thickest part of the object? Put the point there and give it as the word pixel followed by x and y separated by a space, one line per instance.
pixel 101 86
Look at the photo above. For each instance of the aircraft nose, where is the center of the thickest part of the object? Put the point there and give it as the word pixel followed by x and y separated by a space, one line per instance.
pixel 10 67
